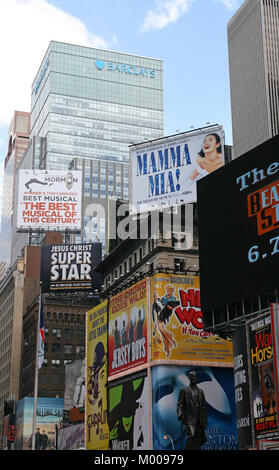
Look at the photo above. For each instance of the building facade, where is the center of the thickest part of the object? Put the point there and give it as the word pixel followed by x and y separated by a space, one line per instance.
pixel 253 43
pixel 18 141
pixel 87 106
pixel 92 103
pixel 11 304
pixel 64 342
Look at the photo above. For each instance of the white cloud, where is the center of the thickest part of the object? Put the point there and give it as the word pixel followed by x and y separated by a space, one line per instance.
pixel 26 29
pixel 230 4
pixel 169 11
pixel 165 12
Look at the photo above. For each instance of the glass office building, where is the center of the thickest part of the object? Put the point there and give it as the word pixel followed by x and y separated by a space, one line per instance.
pixel 91 104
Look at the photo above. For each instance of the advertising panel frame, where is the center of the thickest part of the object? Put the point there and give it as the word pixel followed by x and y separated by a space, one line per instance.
pixel 181 336
pixel 163 172
pixel 242 389
pixel 263 397
pixel 129 419
pixel 231 222
pixel 70 267
pixel 96 403
pixel 49 200
pixel 128 329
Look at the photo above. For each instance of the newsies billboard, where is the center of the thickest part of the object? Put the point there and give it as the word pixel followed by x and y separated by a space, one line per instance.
pixel 164 172
pixel 49 199
pixel 70 267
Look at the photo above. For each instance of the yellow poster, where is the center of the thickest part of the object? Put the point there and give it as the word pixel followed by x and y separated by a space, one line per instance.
pixel 97 432
pixel 177 323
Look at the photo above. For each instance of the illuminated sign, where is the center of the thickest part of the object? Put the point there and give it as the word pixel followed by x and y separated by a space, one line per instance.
pixel 238 209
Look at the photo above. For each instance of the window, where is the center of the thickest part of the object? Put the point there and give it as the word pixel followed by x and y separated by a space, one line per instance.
pixel 55 362
pixel 179 264
pixel 80 349
pixel 56 347
pixel 68 348
pixel 56 332
pixel 68 333
pixel 80 334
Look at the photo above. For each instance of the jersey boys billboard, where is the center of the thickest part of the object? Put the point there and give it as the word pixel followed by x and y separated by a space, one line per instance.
pixel 70 267
pixel 49 199
pixel 164 173
pixel 128 328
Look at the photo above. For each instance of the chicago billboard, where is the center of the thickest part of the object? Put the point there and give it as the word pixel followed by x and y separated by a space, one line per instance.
pixel 238 225
pixel 70 267
pixel 49 199
pixel 164 172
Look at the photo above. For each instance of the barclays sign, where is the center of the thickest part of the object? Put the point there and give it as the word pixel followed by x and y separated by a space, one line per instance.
pixel 127 69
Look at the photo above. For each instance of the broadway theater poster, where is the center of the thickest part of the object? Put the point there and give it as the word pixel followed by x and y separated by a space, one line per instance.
pixel 128 328
pixel 97 433
pixel 177 323
pixel 262 383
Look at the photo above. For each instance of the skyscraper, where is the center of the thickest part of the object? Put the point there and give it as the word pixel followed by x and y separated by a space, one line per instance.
pixel 18 139
pixel 253 43
pixel 87 106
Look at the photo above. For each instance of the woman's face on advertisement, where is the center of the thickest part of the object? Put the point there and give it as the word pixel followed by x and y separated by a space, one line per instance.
pixel 210 144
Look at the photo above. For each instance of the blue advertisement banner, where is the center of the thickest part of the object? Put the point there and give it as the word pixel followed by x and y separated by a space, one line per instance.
pixel 218 386
pixel 49 413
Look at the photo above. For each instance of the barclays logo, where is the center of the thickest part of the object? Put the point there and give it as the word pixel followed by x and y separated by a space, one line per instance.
pixel 127 69
pixel 100 64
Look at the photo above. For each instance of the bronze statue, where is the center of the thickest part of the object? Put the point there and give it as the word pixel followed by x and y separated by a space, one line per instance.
pixel 191 411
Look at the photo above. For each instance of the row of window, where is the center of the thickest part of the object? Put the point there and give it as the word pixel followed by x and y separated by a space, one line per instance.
pixel 68 348
pixel 65 317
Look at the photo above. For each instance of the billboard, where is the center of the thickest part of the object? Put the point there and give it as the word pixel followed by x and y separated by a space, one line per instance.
pixel 9 432
pixel 49 199
pixel 97 433
pixel 70 267
pixel 177 323
pixel 217 385
pixel 49 413
pixel 128 413
pixel 74 394
pixel 164 172
pixel 128 328
pixel 238 225
pixel 71 437
pixel 262 380
pixel 241 389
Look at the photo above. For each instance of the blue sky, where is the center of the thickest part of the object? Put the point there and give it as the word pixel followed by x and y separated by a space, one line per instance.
pixel 189 35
